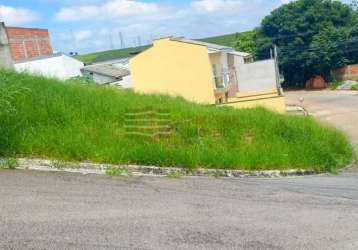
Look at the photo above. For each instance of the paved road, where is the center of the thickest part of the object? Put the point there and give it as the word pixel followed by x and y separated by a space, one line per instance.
pixel 339 108
pixel 70 211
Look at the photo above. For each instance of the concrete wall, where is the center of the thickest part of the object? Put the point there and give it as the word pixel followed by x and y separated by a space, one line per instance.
pixel 28 43
pixel 271 102
pixel 257 76
pixel 126 82
pixel 61 67
pixel 174 68
pixel 239 60
pixel 5 53
pixel 72 66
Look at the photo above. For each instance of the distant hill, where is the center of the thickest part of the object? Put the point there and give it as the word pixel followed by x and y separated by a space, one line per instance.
pixel 109 54
pixel 225 40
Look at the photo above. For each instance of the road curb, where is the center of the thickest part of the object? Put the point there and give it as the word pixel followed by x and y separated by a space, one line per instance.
pixel 93 168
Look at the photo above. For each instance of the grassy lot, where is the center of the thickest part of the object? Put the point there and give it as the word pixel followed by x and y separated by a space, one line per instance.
pixel 78 122
pixel 226 40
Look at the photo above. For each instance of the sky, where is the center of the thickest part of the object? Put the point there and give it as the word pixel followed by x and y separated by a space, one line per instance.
pixel 95 25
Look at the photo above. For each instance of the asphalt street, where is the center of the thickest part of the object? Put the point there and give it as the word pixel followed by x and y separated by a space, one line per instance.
pixel 70 211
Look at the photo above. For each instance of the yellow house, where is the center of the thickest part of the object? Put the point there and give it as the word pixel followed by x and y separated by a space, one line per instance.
pixel 206 73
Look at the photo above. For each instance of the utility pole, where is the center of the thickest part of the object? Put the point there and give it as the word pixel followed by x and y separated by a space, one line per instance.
pixel 111 41
pixel 5 52
pixel 277 69
pixel 74 42
pixel 2 20
pixel 122 40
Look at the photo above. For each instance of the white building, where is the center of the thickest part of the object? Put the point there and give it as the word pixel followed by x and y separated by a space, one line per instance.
pixel 57 65
pixel 108 74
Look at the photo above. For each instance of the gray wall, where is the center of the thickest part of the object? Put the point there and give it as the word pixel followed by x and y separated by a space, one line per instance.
pixel 257 76
pixel 5 53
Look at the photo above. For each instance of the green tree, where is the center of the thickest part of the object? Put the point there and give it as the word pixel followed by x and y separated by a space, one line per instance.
pixel 247 41
pixel 313 37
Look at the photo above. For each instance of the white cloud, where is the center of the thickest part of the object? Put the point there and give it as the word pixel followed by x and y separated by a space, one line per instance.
pixel 17 16
pixel 83 35
pixel 216 5
pixel 101 21
pixel 108 10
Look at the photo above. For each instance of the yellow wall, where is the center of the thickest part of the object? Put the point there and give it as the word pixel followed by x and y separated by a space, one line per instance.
pixel 276 104
pixel 269 92
pixel 175 68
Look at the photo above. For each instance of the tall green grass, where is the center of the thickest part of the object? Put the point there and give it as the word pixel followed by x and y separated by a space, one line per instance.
pixel 77 122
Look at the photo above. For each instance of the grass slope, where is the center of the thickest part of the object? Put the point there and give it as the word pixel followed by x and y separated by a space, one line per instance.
pixel 77 122
pixel 109 54
pixel 226 40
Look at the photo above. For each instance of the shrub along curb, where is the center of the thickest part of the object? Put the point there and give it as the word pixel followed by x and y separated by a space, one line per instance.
pixel 92 168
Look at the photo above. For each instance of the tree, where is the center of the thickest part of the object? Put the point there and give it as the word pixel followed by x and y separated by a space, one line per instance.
pixel 246 41
pixel 313 37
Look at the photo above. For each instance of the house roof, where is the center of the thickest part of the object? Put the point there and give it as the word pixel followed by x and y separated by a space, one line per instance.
pixel 40 57
pixel 239 53
pixel 213 48
pixel 107 70
pixel 121 62
pixel 210 46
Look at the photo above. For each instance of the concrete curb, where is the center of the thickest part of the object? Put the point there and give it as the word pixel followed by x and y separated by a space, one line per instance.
pixel 92 168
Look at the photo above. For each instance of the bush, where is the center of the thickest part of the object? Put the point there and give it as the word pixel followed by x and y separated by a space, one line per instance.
pixel 354 87
pixel 83 79
pixel 8 163
pixel 115 171
pixel 335 84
